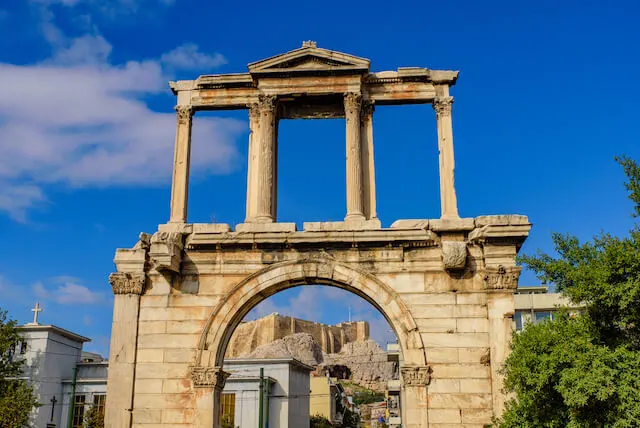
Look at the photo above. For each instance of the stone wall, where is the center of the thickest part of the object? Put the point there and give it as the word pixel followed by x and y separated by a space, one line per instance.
pixel 446 287
pixel 331 338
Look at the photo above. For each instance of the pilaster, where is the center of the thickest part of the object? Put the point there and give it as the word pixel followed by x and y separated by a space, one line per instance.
pixel 127 288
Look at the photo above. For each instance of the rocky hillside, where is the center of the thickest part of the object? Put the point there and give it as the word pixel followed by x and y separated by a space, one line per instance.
pixel 363 362
pixel 367 362
pixel 301 346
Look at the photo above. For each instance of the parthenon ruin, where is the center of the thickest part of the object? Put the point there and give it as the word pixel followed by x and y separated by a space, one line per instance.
pixel 444 285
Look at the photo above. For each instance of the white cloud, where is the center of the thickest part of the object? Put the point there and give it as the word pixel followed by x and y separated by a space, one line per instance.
pixel 77 120
pixel 68 293
pixel 189 57
pixel 40 292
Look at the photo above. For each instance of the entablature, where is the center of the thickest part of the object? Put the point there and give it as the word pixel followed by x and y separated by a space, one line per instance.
pixel 311 71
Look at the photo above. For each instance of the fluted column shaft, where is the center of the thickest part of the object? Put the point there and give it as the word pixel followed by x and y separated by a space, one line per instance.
pixel 368 173
pixel 265 174
pixel 355 210
pixel 181 163
pixel 449 204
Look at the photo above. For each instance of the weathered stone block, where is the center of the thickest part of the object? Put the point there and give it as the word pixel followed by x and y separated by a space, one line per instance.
pixel 455 340
pixel 460 401
pixel 475 385
pixel 472 325
pixel 448 416
pixel 479 416
pixel 460 371
pixel 444 386
pixel 470 311
pixel 442 355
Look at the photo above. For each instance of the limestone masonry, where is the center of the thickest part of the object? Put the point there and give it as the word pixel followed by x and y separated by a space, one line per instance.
pixel 445 285
pixel 331 338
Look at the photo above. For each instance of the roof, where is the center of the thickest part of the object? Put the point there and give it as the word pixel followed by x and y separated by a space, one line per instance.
pixel 309 58
pixel 263 361
pixel 59 330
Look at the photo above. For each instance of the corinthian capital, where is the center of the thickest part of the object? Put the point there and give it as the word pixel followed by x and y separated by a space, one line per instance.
pixel 416 375
pixel 183 112
pixel 502 278
pixel 209 377
pixel 352 103
pixel 442 105
pixel 367 109
pixel 267 103
pixel 127 282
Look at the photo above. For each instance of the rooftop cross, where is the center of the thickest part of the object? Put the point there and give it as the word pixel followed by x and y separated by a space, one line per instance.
pixel 35 311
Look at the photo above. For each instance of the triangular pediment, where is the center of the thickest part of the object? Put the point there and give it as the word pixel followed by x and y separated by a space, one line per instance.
pixel 309 58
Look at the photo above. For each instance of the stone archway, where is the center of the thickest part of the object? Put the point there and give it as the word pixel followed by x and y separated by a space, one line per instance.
pixel 208 374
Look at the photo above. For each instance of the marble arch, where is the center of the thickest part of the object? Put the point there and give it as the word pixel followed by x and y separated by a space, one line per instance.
pixel 446 285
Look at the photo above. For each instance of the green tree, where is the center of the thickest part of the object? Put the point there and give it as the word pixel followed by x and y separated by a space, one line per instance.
pixel 16 396
pixel 583 370
pixel 94 418
pixel 319 421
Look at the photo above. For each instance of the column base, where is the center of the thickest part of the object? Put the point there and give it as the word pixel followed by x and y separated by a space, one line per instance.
pixel 327 226
pixel 266 227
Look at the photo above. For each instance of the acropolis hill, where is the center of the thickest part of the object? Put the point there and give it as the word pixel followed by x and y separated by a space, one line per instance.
pixel 331 338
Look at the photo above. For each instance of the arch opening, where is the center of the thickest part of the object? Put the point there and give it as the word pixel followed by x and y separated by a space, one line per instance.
pixel 246 295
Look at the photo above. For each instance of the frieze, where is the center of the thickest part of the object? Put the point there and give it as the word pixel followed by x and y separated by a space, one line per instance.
pixel 127 282
pixel 209 377
pixel 416 375
pixel 442 106
pixel 502 278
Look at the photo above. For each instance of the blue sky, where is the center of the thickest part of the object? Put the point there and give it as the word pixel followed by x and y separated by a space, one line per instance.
pixel 546 97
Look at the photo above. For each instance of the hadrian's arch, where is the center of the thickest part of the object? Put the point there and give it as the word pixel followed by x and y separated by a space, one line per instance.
pixel 445 285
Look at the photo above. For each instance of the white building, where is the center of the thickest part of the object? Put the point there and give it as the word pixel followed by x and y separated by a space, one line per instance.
pixel 52 355
pixel 535 304
pixel 285 397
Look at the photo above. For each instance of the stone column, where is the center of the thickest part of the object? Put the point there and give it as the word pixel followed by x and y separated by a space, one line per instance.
pixel 252 162
pixel 368 175
pixel 265 173
pixel 449 205
pixel 181 159
pixel 208 383
pixel 127 288
pixel 355 192
pixel 414 402
pixel 501 282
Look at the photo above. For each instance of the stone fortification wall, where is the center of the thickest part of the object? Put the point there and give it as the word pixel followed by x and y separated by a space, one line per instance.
pixel 331 338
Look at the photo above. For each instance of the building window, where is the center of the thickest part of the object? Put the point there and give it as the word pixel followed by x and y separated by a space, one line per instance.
pixel 542 316
pixel 23 347
pixel 518 319
pixel 78 411
pixel 98 402
pixel 228 404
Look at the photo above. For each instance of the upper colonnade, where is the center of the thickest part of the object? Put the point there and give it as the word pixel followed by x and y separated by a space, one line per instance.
pixel 312 83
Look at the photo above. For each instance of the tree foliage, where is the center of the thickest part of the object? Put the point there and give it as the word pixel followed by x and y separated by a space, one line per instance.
pixel 16 396
pixel 94 418
pixel 583 370
pixel 319 421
